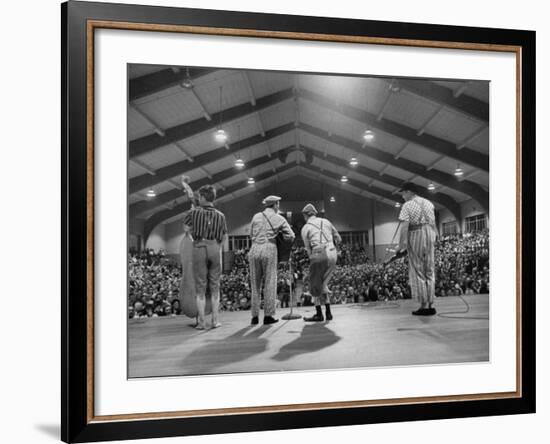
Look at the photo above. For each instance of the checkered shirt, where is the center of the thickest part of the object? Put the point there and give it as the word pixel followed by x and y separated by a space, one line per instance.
pixel 418 211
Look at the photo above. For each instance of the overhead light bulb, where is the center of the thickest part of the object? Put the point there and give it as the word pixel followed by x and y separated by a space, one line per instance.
pixel 187 82
pixel 431 186
pixel 239 163
pixel 251 181
pixel 221 136
pixel 151 192
pixel 458 171
pixel 353 161
pixel 344 179
pixel 368 136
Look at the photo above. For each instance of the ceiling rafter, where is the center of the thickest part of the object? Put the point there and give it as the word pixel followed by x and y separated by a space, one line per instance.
pixel 145 181
pixel 146 85
pixel 475 191
pixel 433 143
pixel 465 187
pixel 149 143
pixel 446 96
pixel 144 167
pixel 159 217
pixel 443 199
pixel 337 185
pixel 156 127
pixel 143 206
pixel 199 101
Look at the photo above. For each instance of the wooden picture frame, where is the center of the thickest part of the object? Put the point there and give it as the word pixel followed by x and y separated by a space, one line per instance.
pixel 79 22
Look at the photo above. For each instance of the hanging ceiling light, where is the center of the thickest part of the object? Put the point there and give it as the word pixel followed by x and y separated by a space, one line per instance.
pixel 220 135
pixel 151 192
pixel 187 82
pixel 368 135
pixel 332 199
pixel 431 186
pixel 397 204
pixel 344 179
pixel 458 171
pixel 251 181
pixel 239 163
pixel 353 161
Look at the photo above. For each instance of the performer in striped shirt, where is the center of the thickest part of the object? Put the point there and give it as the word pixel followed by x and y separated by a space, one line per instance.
pixel 417 236
pixel 208 228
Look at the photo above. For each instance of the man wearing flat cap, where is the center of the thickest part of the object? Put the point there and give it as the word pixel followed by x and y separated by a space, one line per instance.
pixel 417 236
pixel 320 237
pixel 264 228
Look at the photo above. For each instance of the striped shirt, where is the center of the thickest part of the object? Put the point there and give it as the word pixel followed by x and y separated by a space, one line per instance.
pixel 206 223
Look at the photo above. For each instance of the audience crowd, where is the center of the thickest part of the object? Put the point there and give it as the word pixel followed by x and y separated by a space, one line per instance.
pixel 462 267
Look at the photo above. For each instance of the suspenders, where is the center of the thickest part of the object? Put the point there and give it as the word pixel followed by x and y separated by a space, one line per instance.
pixel 321 233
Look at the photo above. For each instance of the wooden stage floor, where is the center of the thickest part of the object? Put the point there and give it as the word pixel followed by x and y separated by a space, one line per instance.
pixel 361 335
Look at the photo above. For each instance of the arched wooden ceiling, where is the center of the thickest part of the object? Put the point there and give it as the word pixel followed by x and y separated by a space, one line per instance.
pixel 287 123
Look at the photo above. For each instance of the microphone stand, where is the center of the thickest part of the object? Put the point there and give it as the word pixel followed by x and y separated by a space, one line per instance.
pixel 290 315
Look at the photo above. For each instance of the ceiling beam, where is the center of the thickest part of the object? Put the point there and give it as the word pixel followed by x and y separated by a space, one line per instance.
pixel 144 167
pixel 144 206
pixel 440 198
pixel 149 143
pixel 445 96
pixel 433 143
pixel 471 137
pixel 401 150
pixel 155 125
pixel 159 217
pixel 139 183
pixel 356 183
pixel 205 112
pixel 340 187
pixel 155 82
pixel 248 86
pixel 179 146
pixel 470 188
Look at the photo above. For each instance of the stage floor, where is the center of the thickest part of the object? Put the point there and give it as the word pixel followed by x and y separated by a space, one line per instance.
pixel 360 335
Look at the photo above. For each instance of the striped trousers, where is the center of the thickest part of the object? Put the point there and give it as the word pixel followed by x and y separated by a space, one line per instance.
pixel 420 248
pixel 263 269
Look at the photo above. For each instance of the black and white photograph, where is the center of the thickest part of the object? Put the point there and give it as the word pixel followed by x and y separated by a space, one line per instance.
pixel 300 221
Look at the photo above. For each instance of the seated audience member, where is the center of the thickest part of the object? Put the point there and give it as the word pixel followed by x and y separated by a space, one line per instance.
pixel 462 267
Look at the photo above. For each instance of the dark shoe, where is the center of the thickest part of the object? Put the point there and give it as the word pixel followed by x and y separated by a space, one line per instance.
pixel 431 311
pixel 315 318
pixel 254 321
pixel 421 312
pixel 269 320
pixel 328 313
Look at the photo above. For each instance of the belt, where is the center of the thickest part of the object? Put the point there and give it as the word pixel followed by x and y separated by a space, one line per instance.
pixel 416 227
pixel 323 246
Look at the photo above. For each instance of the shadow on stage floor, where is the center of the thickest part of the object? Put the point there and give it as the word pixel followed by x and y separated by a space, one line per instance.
pixel 360 335
pixel 313 338
pixel 244 344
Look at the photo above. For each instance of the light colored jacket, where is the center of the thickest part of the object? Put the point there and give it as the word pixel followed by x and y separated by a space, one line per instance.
pixel 261 231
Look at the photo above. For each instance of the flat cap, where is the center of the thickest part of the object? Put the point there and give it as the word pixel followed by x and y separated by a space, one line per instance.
pixel 309 209
pixel 270 200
